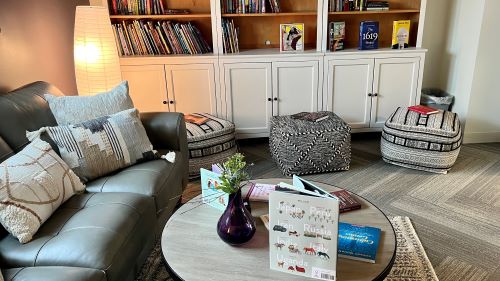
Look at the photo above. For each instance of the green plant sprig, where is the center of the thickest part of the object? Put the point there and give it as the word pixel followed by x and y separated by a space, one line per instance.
pixel 233 174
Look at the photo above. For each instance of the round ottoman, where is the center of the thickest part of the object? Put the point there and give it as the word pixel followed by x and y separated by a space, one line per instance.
pixel 209 143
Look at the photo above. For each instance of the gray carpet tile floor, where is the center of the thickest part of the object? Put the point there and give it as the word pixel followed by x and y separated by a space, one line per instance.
pixel 457 216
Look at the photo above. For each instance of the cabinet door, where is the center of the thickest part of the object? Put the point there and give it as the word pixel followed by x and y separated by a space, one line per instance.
pixel 349 84
pixel 395 84
pixel 191 88
pixel 147 86
pixel 295 87
pixel 248 90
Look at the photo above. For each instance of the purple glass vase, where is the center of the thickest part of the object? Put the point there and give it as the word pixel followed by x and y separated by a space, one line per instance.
pixel 236 225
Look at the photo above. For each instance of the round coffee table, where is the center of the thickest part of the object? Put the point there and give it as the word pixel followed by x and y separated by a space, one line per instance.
pixel 193 251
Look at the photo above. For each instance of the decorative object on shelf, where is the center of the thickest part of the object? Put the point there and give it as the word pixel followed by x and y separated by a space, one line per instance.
pixel 236 226
pixel 368 35
pixel 230 37
pixel 337 36
pixel 159 38
pixel 400 34
pixel 97 67
pixel 292 37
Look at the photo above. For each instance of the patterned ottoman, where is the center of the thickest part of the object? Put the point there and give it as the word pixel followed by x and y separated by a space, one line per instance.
pixel 305 147
pixel 423 142
pixel 209 143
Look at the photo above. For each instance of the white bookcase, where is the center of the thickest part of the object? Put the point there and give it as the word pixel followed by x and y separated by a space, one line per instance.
pixel 249 87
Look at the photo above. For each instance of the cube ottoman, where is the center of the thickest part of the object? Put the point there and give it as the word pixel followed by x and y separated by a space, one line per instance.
pixel 209 143
pixel 305 147
pixel 423 142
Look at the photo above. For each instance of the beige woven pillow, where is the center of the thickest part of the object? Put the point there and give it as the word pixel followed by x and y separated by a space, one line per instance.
pixel 33 184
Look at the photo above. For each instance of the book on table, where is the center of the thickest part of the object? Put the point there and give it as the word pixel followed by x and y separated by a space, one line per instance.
pixel 195 119
pixel 422 109
pixel 303 222
pixel 358 242
pixel 347 202
pixel 311 116
pixel 210 193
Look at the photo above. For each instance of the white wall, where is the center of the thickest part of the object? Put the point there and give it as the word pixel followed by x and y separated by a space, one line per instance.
pixel 483 119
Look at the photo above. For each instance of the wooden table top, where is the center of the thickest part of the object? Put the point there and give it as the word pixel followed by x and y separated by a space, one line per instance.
pixel 194 251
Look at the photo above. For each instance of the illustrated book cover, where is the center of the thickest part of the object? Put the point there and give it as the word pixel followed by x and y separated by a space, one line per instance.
pixel 422 109
pixel 368 35
pixel 303 228
pixel 210 194
pixel 400 34
pixel 337 36
pixel 358 242
pixel 292 37
pixel 259 191
pixel 347 202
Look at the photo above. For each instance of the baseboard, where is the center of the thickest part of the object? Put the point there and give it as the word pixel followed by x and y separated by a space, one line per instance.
pixel 481 137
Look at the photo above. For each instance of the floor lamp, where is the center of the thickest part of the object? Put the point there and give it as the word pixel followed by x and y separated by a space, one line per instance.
pixel 97 67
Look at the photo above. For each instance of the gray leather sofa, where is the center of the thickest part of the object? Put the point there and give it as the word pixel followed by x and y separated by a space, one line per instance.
pixel 107 232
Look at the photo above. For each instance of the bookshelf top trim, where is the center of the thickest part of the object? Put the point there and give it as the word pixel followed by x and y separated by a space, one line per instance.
pixel 393 11
pixel 159 17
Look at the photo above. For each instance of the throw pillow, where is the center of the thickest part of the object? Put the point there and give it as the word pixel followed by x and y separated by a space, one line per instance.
pixel 76 109
pixel 33 184
pixel 100 146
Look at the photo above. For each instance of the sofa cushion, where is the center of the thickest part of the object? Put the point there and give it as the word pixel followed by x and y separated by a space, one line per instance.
pixel 5 150
pixel 104 231
pixel 76 109
pixel 25 109
pixel 100 146
pixel 33 183
pixel 158 178
pixel 53 273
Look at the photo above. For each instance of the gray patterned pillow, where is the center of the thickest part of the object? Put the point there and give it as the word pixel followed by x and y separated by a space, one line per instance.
pixel 76 109
pixel 103 145
pixel 33 184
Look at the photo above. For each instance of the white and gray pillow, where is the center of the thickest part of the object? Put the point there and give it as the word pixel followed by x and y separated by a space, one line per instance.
pixel 103 145
pixel 76 109
pixel 33 184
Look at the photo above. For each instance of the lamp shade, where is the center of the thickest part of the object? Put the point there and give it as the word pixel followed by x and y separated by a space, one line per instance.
pixel 97 67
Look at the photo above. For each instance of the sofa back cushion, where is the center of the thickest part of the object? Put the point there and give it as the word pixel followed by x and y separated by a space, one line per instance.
pixel 25 109
pixel 5 150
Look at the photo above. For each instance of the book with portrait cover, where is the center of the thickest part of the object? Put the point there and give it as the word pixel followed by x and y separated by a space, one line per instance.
pixel 292 37
pixel 400 34
pixel 368 35
pixel 303 228
pixel 337 36
pixel 358 242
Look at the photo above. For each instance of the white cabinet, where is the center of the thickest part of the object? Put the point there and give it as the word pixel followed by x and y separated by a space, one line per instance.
pixel 365 91
pixel 348 85
pixel 295 87
pixel 191 88
pixel 248 92
pixel 147 86
pixel 395 84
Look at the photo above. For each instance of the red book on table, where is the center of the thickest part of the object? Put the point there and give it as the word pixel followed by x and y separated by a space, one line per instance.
pixel 422 109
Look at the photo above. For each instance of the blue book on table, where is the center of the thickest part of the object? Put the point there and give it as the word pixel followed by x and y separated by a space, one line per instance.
pixel 368 35
pixel 358 242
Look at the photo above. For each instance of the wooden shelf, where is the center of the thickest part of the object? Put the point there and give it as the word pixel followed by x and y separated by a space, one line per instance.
pixel 271 14
pixel 394 11
pixel 159 17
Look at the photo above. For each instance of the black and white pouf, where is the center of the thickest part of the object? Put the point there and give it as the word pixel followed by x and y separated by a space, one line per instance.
pixel 304 147
pixel 210 143
pixel 423 142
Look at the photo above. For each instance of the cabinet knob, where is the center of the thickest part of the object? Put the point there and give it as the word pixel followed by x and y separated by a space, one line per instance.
pixel 171 102
pixel 164 102
pixel 375 95
pixel 370 94
pixel 276 99
pixel 269 99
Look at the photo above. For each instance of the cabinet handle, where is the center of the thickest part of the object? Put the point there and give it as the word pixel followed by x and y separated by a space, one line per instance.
pixel 269 99
pixel 276 99
pixel 171 102
pixel 370 94
pixel 164 102
pixel 375 95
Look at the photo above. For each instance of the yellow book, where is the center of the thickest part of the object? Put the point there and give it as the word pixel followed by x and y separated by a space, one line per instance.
pixel 400 34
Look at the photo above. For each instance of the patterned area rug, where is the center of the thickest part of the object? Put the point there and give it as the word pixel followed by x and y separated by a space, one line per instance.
pixel 411 262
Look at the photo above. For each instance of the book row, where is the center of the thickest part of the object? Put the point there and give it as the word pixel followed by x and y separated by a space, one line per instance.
pixel 230 37
pixel 159 38
pixel 250 6
pixel 369 35
pixel 136 7
pixel 357 5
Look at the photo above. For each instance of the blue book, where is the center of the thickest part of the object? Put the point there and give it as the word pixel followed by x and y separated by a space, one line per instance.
pixel 358 242
pixel 210 193
pixel 368 35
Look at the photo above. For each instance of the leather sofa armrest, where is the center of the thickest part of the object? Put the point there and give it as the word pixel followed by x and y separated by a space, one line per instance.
pixel 167 131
